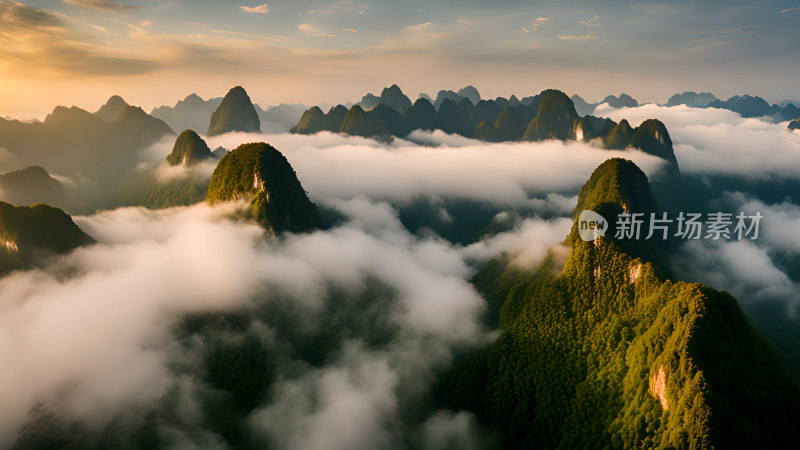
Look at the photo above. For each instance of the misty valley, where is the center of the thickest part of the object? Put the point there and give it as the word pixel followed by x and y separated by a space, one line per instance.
pixel 453 272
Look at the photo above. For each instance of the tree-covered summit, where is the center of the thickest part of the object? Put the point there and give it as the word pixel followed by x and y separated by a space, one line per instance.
pixel 599 350
pixel 259 173
pixel 189 149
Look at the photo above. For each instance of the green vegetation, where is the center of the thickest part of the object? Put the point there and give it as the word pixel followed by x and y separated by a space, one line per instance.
pixel 450 118
pixel 145 189
pixel 235 113
pixel 261 174
pixel 420 116
pixel 189 149
pixel 554 118
pixel 598 350
pixel 30 232
pixel 619 137
pixel 486 131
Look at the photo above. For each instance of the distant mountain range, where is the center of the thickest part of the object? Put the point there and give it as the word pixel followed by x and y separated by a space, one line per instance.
pixel 33 185
pixel 194 113
pixel 745 105
pixel 95 148
pixel 548 115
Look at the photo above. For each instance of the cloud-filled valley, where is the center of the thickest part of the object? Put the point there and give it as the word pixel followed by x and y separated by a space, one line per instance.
pixel 337 166
pixel 91 337
pixel 357 322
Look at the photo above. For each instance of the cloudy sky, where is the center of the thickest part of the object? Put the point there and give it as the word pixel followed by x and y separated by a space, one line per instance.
pixel 154 51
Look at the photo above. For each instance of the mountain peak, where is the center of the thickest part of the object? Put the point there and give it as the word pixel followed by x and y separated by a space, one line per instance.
pixel 795 124
pixel 235 113
pixel 554 118
pixel 394 97
pixel 619 137
pixel 193 98
pixel 619 182
pixel 260 173
pixel 189 149
pixel 623 101
pixel 618 186
pixel 651 136
pixel 471 93
pixel 111 109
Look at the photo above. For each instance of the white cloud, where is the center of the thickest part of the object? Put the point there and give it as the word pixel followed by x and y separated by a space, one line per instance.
pixel 260 9
pixel 708 140
pixel 528 243
pixel 88 336
pixel 313 31
pixel 419 26
pixel 104 5
pixel 740 267
pixel 338 166
pixel 585 37
pixel 537 22
pixel 591 22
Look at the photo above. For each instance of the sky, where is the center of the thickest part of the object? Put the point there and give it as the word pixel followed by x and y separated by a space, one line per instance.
pixel 152 52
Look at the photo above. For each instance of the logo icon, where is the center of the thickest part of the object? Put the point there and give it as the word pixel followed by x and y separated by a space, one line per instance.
pixel 591 225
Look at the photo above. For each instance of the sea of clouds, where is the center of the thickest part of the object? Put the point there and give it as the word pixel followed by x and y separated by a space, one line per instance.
pixel 89 336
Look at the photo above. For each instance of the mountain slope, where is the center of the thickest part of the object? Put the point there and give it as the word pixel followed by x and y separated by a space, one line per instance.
pixel 598 350
pixel 30 232
pixel 235 113
pixel 34 185
pixel 261 174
